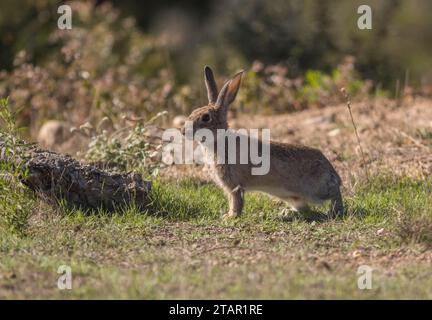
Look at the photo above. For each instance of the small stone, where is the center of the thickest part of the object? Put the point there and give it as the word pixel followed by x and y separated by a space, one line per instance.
pixel 356 254
pixel 333 132
pixel 380 231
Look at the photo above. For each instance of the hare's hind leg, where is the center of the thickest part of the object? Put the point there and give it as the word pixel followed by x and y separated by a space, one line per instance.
pixel 336 204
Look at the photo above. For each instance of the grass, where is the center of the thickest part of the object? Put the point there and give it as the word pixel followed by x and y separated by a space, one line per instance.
pixel 182 249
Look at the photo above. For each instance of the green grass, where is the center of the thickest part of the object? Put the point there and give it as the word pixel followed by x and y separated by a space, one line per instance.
pixel 182 248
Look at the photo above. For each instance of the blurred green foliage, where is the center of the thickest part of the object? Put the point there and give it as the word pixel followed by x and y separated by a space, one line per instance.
pixel 231 34
pixel 15 202
pixel 106 67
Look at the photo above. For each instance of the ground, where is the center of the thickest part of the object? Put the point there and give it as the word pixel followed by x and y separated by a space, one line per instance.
pixel 183 249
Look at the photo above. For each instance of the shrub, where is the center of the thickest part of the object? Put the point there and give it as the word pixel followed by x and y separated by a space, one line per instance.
pixel 270 89
pixel 125 148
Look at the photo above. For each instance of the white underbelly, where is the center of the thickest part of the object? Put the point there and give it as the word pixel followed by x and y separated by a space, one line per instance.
pixel 279 192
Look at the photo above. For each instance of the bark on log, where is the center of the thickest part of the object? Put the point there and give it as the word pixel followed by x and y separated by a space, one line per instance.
pixel 56 176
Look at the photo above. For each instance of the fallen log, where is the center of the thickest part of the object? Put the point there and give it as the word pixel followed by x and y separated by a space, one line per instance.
pixel 54 176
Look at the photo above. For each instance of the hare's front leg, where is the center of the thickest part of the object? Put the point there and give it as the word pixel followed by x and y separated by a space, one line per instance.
pixel 336 204
pixel 236 201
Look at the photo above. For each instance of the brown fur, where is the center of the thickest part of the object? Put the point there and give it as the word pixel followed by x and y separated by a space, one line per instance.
pixel 298 174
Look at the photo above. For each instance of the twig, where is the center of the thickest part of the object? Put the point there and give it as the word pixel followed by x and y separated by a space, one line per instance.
pixel 348 103
pixel 412 139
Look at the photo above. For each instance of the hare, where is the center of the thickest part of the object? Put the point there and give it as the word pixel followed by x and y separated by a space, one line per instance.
pixel 297 174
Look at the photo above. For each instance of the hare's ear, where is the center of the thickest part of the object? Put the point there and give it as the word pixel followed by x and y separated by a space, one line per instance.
pixel 229 91
pixel 212 91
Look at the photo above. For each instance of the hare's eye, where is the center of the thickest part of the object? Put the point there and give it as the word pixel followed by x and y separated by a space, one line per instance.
pixel 205 117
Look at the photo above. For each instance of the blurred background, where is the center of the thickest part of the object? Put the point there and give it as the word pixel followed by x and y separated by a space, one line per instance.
pixel 302 34
pixel 137 58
